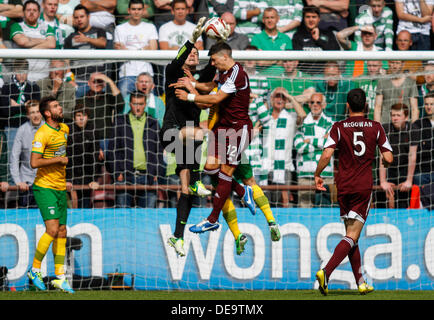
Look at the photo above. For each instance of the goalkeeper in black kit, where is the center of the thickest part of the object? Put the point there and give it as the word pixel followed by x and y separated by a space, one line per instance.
pixel 181 134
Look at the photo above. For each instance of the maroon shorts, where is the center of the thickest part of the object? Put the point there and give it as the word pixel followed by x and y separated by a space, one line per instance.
pixel 227 144
pixel 355 205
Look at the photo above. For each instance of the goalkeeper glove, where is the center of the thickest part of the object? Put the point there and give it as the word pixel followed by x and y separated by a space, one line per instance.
pixel 226 32
pixel 198 30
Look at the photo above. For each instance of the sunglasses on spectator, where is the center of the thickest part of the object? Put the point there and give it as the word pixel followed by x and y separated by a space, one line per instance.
pixel 98 81
pixel 315 102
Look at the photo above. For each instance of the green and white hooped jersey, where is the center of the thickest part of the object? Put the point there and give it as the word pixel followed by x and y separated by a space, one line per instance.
pixel 59 34
pixel 288 10
pixel 258 111
pixel 308 154
pixel 252 26
pixel 383 25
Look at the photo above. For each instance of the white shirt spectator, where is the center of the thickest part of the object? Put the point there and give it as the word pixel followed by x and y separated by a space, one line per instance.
pixel 413 7
pixel 135 38
pixel 176 35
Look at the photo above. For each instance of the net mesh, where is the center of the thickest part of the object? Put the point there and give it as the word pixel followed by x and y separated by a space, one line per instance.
pixel 117 232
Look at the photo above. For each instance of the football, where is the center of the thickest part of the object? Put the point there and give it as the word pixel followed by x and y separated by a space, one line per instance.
pixel 216 28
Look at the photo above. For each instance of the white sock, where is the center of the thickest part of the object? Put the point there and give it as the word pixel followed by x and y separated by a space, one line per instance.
pixel 61 276
pixel 35 270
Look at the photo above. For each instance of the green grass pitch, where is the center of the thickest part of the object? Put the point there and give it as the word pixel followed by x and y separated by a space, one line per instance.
pixel 218 295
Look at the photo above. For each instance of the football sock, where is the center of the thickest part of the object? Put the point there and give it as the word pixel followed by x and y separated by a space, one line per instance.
pixel 194 176
pixel 239 189
pixel 341 251
pixel 230 215
pixel 262 202
pixel 223 191
pixel 59 249
pixel 182 212
pixel 41 250
pixel 356 264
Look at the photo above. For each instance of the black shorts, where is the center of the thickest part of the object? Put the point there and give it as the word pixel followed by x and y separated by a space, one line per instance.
pixel 188 155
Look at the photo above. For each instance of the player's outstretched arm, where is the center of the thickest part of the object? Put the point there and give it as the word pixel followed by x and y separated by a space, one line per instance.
pixel 197 32
pixel 207 99
pixel 322 164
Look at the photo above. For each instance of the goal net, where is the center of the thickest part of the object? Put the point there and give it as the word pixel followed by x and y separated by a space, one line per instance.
pixel 121 214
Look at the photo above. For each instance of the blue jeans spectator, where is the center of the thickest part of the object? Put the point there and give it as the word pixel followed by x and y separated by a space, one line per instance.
pixel 142 198
pixel 127 85
pixel 82 89
pixel 421 179
pixel 420 42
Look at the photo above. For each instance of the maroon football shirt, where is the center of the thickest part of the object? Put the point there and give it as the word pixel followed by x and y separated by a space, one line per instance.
pixel 234 110
pixel 356 138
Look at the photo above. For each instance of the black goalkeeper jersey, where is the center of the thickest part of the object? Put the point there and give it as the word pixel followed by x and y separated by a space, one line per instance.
pixel 179 112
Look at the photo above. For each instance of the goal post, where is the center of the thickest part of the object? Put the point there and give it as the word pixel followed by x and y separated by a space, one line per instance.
pixel 117 245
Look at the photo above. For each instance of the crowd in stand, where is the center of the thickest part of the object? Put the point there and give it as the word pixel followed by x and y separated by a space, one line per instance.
pixel 115 110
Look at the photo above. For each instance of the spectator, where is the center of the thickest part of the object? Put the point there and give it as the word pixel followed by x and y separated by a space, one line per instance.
pixel 173 34
pixel 4 184
pixel 278 138
pixel 258 113
pixel 102 16
pixel 85 37
pixel 398 89
pixel 84 155
pixel 398 133
pixel 271 39
pixel 309 142
pixel 22 173
pixel 297 83
pixel 426 87
pixel 335 90
pixel 249 16
pixel 134 35
pixel 103 105
pixel 122 10
pixel 154 105
pixel 56 86
pixel 34 34
pixel 49 15
pixel 381 17
pixel 10 12
pixel 258 82
pixel 236 40
pixel 290 13
pixel 369 85
pixel 421 155
pixel 66 10
pixel 309 37
pixel 14 95
pixel 415 17
pixel 216 8
pixel 369 34
pixel 138 154
pixel 2 46
pixel 164 13
pixel 404 43
pixel 333 13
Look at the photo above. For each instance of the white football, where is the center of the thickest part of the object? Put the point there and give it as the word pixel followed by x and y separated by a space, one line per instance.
pixel 216 28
